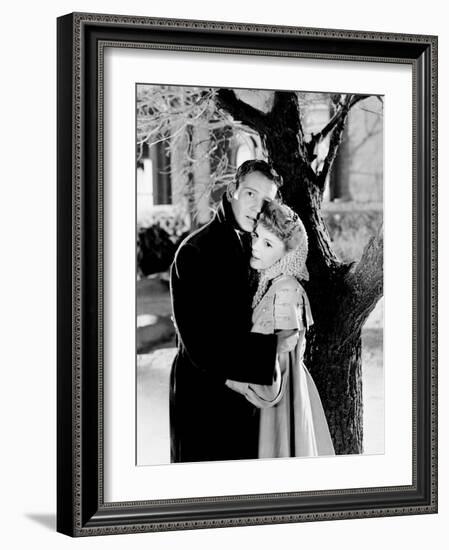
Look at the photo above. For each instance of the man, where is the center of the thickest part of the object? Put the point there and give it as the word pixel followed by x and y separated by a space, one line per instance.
pixel 211 299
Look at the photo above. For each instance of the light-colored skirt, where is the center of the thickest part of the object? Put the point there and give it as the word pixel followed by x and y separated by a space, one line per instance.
pixel 296 425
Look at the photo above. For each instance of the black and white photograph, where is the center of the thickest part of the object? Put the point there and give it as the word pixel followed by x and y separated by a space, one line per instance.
pixel 259 274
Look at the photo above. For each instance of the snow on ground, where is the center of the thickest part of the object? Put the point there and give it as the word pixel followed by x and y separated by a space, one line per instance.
pixel 153 428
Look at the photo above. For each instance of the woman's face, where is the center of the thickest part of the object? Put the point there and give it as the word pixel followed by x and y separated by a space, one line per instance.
pixel 267 248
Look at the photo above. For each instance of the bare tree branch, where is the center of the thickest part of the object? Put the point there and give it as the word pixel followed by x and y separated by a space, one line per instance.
pixel 364 109
pixel 336 125
pixel 318 137
pixel 166 114
pixel 364 287
pixel 369 270
pixel 239 110
pixel 355 98
pixel 334 143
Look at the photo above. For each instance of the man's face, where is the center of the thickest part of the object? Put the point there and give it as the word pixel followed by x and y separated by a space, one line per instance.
pixel 247 201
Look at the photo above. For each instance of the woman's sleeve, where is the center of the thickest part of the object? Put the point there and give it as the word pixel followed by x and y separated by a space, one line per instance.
pixel 291 308
pixel 259 395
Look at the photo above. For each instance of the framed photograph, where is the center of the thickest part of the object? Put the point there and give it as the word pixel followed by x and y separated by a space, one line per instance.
pixel 247 277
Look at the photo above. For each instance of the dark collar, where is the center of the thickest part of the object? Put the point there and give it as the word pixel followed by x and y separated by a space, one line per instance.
pixel 226 216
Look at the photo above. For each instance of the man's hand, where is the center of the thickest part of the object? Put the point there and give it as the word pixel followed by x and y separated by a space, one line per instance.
pixel 287 340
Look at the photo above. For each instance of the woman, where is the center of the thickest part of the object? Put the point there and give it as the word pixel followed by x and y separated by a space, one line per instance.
pixel 292 419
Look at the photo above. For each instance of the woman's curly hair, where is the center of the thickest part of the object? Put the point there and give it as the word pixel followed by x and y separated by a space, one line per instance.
pixel 281 220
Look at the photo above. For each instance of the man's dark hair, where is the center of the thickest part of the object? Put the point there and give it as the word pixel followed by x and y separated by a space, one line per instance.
pixel 250 166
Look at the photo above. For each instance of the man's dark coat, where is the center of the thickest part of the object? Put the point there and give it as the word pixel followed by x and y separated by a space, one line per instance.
pixel 211 299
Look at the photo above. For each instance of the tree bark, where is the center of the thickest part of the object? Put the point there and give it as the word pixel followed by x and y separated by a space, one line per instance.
pixel 340 175
pixel 337 373
pixel 341 295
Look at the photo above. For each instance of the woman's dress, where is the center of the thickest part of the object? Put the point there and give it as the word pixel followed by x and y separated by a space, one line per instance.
pixel 292 419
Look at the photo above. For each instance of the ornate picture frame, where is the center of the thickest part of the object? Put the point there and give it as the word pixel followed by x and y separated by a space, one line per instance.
pixel 81 508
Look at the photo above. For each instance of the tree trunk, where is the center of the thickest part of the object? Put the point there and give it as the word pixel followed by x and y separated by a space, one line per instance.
pixel 337 372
